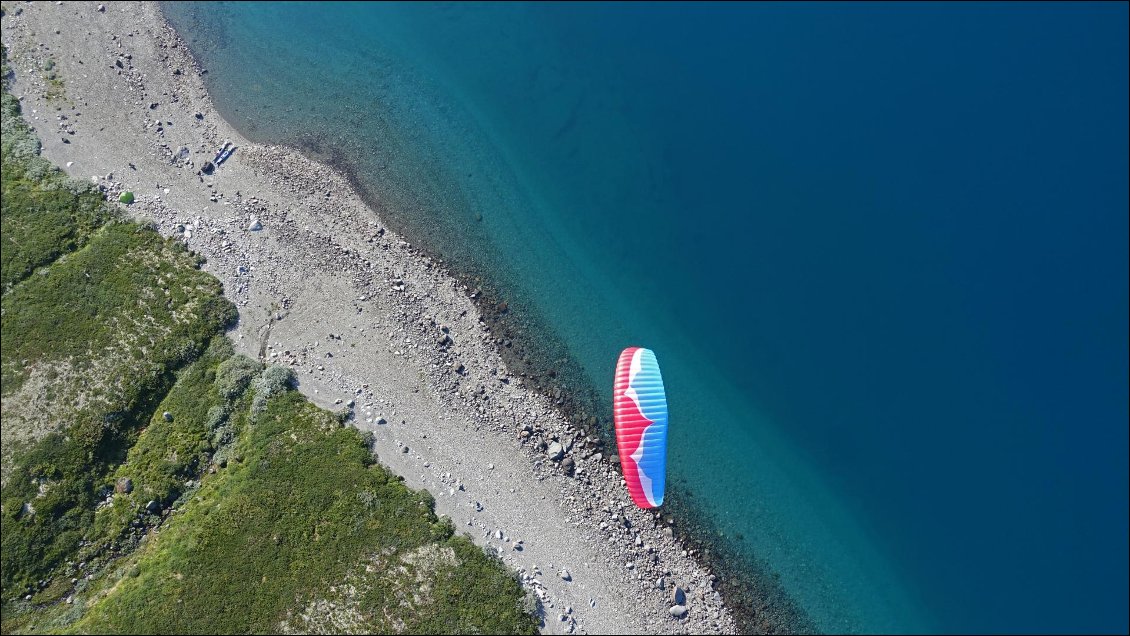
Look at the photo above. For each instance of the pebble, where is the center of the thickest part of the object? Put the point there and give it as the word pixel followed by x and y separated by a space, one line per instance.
pixel 678 611
pixel 555 451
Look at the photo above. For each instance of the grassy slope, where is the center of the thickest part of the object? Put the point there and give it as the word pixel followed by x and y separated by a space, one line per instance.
pixel 122 313
pixel 45 214
pixel 250 509
pixel 302 511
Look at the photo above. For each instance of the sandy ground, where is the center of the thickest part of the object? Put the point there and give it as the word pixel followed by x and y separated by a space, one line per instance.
pixel 364 319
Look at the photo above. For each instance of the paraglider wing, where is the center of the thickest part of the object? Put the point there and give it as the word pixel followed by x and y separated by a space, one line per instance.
pixel 640 413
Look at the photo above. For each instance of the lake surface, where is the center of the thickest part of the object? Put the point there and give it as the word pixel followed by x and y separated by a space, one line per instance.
pixel 880 253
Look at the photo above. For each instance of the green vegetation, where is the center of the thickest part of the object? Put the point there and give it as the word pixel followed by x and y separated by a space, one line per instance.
pixel 45 213
pixel 155 481
pixel 100 329
pixel 54 83
pixel 304 513
pixel 126 197
pixel 128 290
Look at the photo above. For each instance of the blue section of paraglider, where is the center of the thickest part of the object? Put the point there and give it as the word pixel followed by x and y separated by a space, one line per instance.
pixel 651 456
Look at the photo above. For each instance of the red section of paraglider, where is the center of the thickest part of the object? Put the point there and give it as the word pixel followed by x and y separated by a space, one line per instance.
pixel 630 425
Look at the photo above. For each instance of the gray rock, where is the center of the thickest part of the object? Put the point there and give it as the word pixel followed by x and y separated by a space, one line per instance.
pixel 168 416
pixel 565 576
pixel 555 451
pixel 124 485
pixel 679 596
pixel 255 225
pixel 568 465
pixel 153 506
pixel 678 611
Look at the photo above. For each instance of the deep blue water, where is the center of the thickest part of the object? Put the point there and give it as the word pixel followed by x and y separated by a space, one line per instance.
pixel 880 252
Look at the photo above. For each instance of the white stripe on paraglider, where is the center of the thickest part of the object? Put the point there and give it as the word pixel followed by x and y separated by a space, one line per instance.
pixel 633 369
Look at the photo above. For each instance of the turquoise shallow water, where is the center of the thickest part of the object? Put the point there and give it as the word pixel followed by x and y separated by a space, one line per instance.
pixel 880 253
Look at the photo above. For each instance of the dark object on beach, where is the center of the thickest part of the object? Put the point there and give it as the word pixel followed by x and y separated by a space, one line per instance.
pixel 220 153
pixel 207 168
pixel 224 155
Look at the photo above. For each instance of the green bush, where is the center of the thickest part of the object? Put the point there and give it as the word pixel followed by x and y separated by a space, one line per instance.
pixel 273 381
pixel 234 374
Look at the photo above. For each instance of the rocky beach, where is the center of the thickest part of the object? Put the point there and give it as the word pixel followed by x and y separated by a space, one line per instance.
pixel 368 323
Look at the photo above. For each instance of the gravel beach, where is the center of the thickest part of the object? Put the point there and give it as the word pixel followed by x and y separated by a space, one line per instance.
pixel 367 321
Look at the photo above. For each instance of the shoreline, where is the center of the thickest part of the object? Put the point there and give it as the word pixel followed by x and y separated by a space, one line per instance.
pixel 324 282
